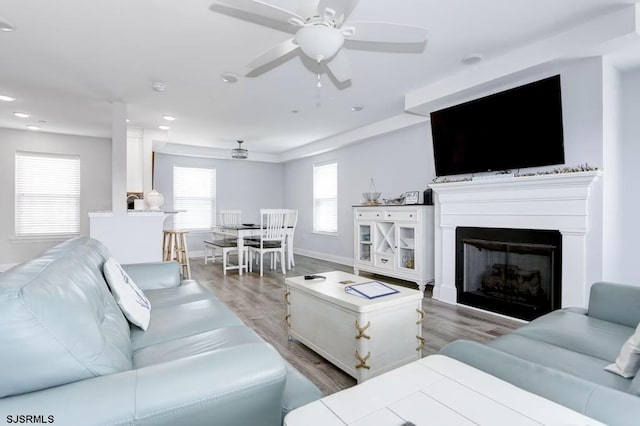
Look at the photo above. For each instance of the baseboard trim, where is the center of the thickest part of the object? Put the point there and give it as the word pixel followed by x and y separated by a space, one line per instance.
pixel 324 256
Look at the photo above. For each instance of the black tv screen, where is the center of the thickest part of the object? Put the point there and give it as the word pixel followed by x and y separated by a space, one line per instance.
pixel 517 128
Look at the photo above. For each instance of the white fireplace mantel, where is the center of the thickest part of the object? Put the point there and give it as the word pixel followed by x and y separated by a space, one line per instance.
pixel 568 202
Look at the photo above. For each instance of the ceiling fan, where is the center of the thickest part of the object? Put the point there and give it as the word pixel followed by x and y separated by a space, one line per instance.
pixel 321 30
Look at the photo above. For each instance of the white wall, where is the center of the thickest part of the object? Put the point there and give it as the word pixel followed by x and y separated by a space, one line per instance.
pixel 623 214
pixel 403 161
pixel 95 182
pixel 398 162
pixel 240 185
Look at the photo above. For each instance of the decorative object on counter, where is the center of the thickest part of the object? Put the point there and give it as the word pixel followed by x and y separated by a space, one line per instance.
pixel 427 199
pixel 138 204
pixel 411 197
pixel 371 197
pixel 131 197
pixel 154 200
pixel 398 201
pixel 239 152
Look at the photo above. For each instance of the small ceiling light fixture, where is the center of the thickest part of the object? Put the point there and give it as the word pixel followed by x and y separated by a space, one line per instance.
pixel 21 114
pixel 239 152
pixel 168 117
pixel 357 108
pixel 6 98
pixel 229 77
pixel 5 26
pixel 32 127
pixel 294 111
pixel 159 86
pixel 163 127
pixel 471 59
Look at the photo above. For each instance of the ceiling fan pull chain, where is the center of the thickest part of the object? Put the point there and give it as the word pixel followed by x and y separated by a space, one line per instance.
pixel 319 83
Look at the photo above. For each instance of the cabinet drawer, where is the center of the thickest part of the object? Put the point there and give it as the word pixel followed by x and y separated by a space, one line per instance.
pixel 368 215
pixel 408 216
pixel 384 261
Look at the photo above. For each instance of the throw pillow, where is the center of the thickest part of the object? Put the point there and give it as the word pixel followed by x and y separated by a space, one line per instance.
pixel 628 361
pixel 132 301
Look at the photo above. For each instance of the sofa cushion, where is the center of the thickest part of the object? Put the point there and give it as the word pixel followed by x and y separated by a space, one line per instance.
pixel 221 338
pixel 189 291
pixel 549 355
pixel 58 321
pixel 578 333
pixel 628 361
pixel 132 301
pixel 187 319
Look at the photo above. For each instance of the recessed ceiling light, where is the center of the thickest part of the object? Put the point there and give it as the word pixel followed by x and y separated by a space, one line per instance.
pixel 357 108
pixel 21 114
pixel 169 117
pixel 163 127
pixel 229 77
pixel 32 127
pixel 6 98
pixel 159 86
pixel 294 111
pixel 128 120
pixel 5 26
pixel 471 59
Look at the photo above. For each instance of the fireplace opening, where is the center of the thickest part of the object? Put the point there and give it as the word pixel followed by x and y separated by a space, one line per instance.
pixel 515 272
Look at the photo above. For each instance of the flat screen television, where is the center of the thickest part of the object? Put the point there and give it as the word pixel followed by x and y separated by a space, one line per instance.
pixel 517 128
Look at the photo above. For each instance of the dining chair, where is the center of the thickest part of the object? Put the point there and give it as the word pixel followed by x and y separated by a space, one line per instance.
pixel 291 221
pixel 271 238
pixel 227 246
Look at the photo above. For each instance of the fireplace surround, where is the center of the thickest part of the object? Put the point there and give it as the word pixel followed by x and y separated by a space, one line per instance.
pixel 570 203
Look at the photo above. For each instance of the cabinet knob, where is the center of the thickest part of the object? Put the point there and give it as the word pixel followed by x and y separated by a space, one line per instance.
pixel 360 215
pixel 377 215
pixel 410 215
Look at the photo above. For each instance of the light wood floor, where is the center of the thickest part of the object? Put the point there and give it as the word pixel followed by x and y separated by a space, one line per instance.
pixel 259 302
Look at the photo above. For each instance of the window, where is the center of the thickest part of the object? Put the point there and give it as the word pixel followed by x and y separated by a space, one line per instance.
pixel 47 194
pixel 194 190
pixel 325 198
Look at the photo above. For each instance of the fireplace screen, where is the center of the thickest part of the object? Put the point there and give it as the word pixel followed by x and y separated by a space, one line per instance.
pixel 509 275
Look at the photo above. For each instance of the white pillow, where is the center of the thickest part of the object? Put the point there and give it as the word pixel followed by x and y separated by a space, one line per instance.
pixel 628 361
pixel 132 301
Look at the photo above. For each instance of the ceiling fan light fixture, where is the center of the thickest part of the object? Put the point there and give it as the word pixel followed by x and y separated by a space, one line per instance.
pixel 319 42
pixel 239 153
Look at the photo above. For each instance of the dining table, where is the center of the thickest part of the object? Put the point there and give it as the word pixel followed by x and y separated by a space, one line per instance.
pixel 249 230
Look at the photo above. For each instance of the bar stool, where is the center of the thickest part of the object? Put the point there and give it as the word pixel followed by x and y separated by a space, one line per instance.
pixel 174 247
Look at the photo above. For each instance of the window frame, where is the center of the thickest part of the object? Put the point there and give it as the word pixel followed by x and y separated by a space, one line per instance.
pixel 19 234
pixel 315 230
pixel 213 199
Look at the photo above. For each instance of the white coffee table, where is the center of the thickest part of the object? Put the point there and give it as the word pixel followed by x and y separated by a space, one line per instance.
pixel 363 337
pixel 435 390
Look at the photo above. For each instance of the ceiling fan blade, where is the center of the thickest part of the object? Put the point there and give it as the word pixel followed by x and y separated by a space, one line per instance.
pixel 273 54
pixel 384 32
pixel 257 7
pixel 339 66
pixel 342 8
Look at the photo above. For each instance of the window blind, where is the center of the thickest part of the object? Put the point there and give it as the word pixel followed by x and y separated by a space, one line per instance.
pixel 47 194
pixel 325 198
pixel 194 190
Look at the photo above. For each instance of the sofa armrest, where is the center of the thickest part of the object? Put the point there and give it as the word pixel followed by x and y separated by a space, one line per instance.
pixel 604 404
pixel 618 303
pixel 236 386
pixel 154 275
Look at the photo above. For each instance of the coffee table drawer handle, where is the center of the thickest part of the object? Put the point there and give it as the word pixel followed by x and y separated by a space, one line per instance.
pixel 363 361
pixel 361 330
pixel 286 297
pixel 287 319
pixel 422 342
pixel 422 314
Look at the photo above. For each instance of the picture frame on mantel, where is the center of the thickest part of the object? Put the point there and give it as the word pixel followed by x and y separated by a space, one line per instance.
pixel 412 197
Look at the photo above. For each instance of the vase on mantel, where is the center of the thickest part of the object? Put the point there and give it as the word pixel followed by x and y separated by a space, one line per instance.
pixel 154 200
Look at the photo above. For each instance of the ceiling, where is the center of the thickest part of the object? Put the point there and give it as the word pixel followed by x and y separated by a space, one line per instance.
pixel 68 60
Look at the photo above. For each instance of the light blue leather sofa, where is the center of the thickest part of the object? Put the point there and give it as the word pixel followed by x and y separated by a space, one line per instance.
pixel 561 355
pixel 67 351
